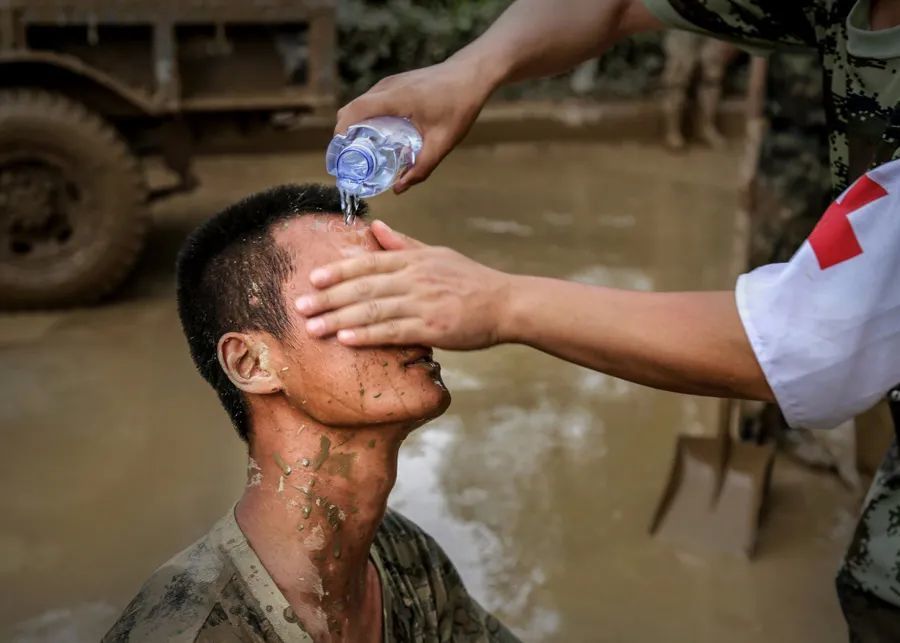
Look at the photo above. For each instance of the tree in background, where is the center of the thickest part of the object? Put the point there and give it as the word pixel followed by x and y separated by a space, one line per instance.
pixel 378 38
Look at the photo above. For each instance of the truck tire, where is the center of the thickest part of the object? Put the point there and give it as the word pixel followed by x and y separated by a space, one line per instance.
pixel 73 205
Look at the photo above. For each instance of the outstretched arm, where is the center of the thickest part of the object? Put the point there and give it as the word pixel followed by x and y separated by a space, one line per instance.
pixel 532 38
pixel 690 342
pixel 535 38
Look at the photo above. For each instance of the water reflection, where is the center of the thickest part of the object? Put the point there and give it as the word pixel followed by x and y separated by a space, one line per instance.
pixel 510 473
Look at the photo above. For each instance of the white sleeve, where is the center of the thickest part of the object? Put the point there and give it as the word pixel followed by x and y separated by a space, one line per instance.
pixel 825 326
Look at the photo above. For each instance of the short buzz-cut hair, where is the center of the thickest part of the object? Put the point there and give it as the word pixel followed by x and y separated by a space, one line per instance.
pixel 230 273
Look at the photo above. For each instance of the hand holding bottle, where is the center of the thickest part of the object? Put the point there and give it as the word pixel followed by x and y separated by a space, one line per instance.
pixel 442 101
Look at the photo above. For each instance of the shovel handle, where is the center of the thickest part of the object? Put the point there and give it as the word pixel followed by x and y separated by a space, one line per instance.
pixel 729 419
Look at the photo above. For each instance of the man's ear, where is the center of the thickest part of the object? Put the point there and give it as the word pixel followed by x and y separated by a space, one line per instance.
pixel 245 360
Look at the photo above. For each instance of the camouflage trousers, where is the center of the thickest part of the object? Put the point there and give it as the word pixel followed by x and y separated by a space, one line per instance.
pixel 869 619
pixel 686 53
pixel 868 584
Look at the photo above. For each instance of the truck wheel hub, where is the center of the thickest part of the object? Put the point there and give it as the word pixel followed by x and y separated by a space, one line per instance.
pixel 35 202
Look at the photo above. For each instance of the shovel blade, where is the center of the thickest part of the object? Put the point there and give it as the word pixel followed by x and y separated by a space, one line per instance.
pixel 714 495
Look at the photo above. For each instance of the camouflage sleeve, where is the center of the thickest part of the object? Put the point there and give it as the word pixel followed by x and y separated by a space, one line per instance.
pixel 756 25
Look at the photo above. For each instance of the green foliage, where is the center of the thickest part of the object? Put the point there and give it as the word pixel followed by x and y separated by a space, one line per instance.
pixel 378 38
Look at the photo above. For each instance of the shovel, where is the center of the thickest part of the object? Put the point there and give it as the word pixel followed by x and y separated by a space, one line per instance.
pixel 716 490
pixel 717 486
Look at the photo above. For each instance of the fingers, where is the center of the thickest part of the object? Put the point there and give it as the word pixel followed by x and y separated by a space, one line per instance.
pixel 401 332
pixel 364 264
pixel 390 239
pixel 435 148
pixel 365 313
pixel 347 293
pixel 366 106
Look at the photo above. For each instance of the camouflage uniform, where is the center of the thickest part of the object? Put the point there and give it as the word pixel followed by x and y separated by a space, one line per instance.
pixel 217 590
pixel 862 93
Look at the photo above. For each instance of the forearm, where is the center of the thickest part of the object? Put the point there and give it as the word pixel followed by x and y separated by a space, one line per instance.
pixel 536 38
pixel 685 342
pixel 417 294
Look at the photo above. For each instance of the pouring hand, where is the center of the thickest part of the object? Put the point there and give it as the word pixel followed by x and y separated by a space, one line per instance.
pixel 423 96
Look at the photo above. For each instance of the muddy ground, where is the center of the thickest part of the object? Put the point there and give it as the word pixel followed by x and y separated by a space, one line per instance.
pixel 540 481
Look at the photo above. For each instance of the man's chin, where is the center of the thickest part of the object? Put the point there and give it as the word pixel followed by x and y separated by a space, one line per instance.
pixel 442 404
pixel 433 409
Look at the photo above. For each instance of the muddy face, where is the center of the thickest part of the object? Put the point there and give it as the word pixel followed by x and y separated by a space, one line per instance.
pixel 334 384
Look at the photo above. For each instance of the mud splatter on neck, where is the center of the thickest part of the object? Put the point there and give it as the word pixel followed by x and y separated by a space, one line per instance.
pixel 322 455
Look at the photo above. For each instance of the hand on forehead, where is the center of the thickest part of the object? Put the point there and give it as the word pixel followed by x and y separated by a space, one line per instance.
pixel 316 239
pixel 336 384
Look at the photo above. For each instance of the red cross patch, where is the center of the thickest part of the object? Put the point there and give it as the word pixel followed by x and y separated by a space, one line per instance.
pixel 833 240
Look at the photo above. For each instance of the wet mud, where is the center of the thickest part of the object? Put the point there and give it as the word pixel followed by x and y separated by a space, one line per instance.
pixel 540 480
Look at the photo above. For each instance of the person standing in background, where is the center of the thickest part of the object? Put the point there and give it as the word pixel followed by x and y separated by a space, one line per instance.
pixel 685 52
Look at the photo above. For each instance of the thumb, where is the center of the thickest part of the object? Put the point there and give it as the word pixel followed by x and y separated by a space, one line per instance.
pixel 391 240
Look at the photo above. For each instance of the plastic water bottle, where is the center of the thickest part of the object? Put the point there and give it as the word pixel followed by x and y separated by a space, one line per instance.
pixel 370 157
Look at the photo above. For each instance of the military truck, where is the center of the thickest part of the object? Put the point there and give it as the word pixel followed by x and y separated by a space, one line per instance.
pixel 91 90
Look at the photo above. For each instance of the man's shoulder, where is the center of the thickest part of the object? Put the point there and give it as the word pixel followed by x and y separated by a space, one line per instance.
pixel 395 523
pixel 178 598
pixel 411 556
pixel 403 538
pixel 426 588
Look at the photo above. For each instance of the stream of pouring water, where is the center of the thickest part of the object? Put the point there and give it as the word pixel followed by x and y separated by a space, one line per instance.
pixel 349 205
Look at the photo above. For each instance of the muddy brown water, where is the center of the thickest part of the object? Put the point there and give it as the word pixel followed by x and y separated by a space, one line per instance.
pixel 540 481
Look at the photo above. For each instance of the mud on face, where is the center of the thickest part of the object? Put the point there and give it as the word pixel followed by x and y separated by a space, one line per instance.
pixel 335 384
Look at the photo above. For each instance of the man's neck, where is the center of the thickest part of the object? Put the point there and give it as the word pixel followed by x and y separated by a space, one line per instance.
pixel 314 500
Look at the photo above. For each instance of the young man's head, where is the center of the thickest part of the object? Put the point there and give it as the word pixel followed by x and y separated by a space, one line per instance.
pixel 237 276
